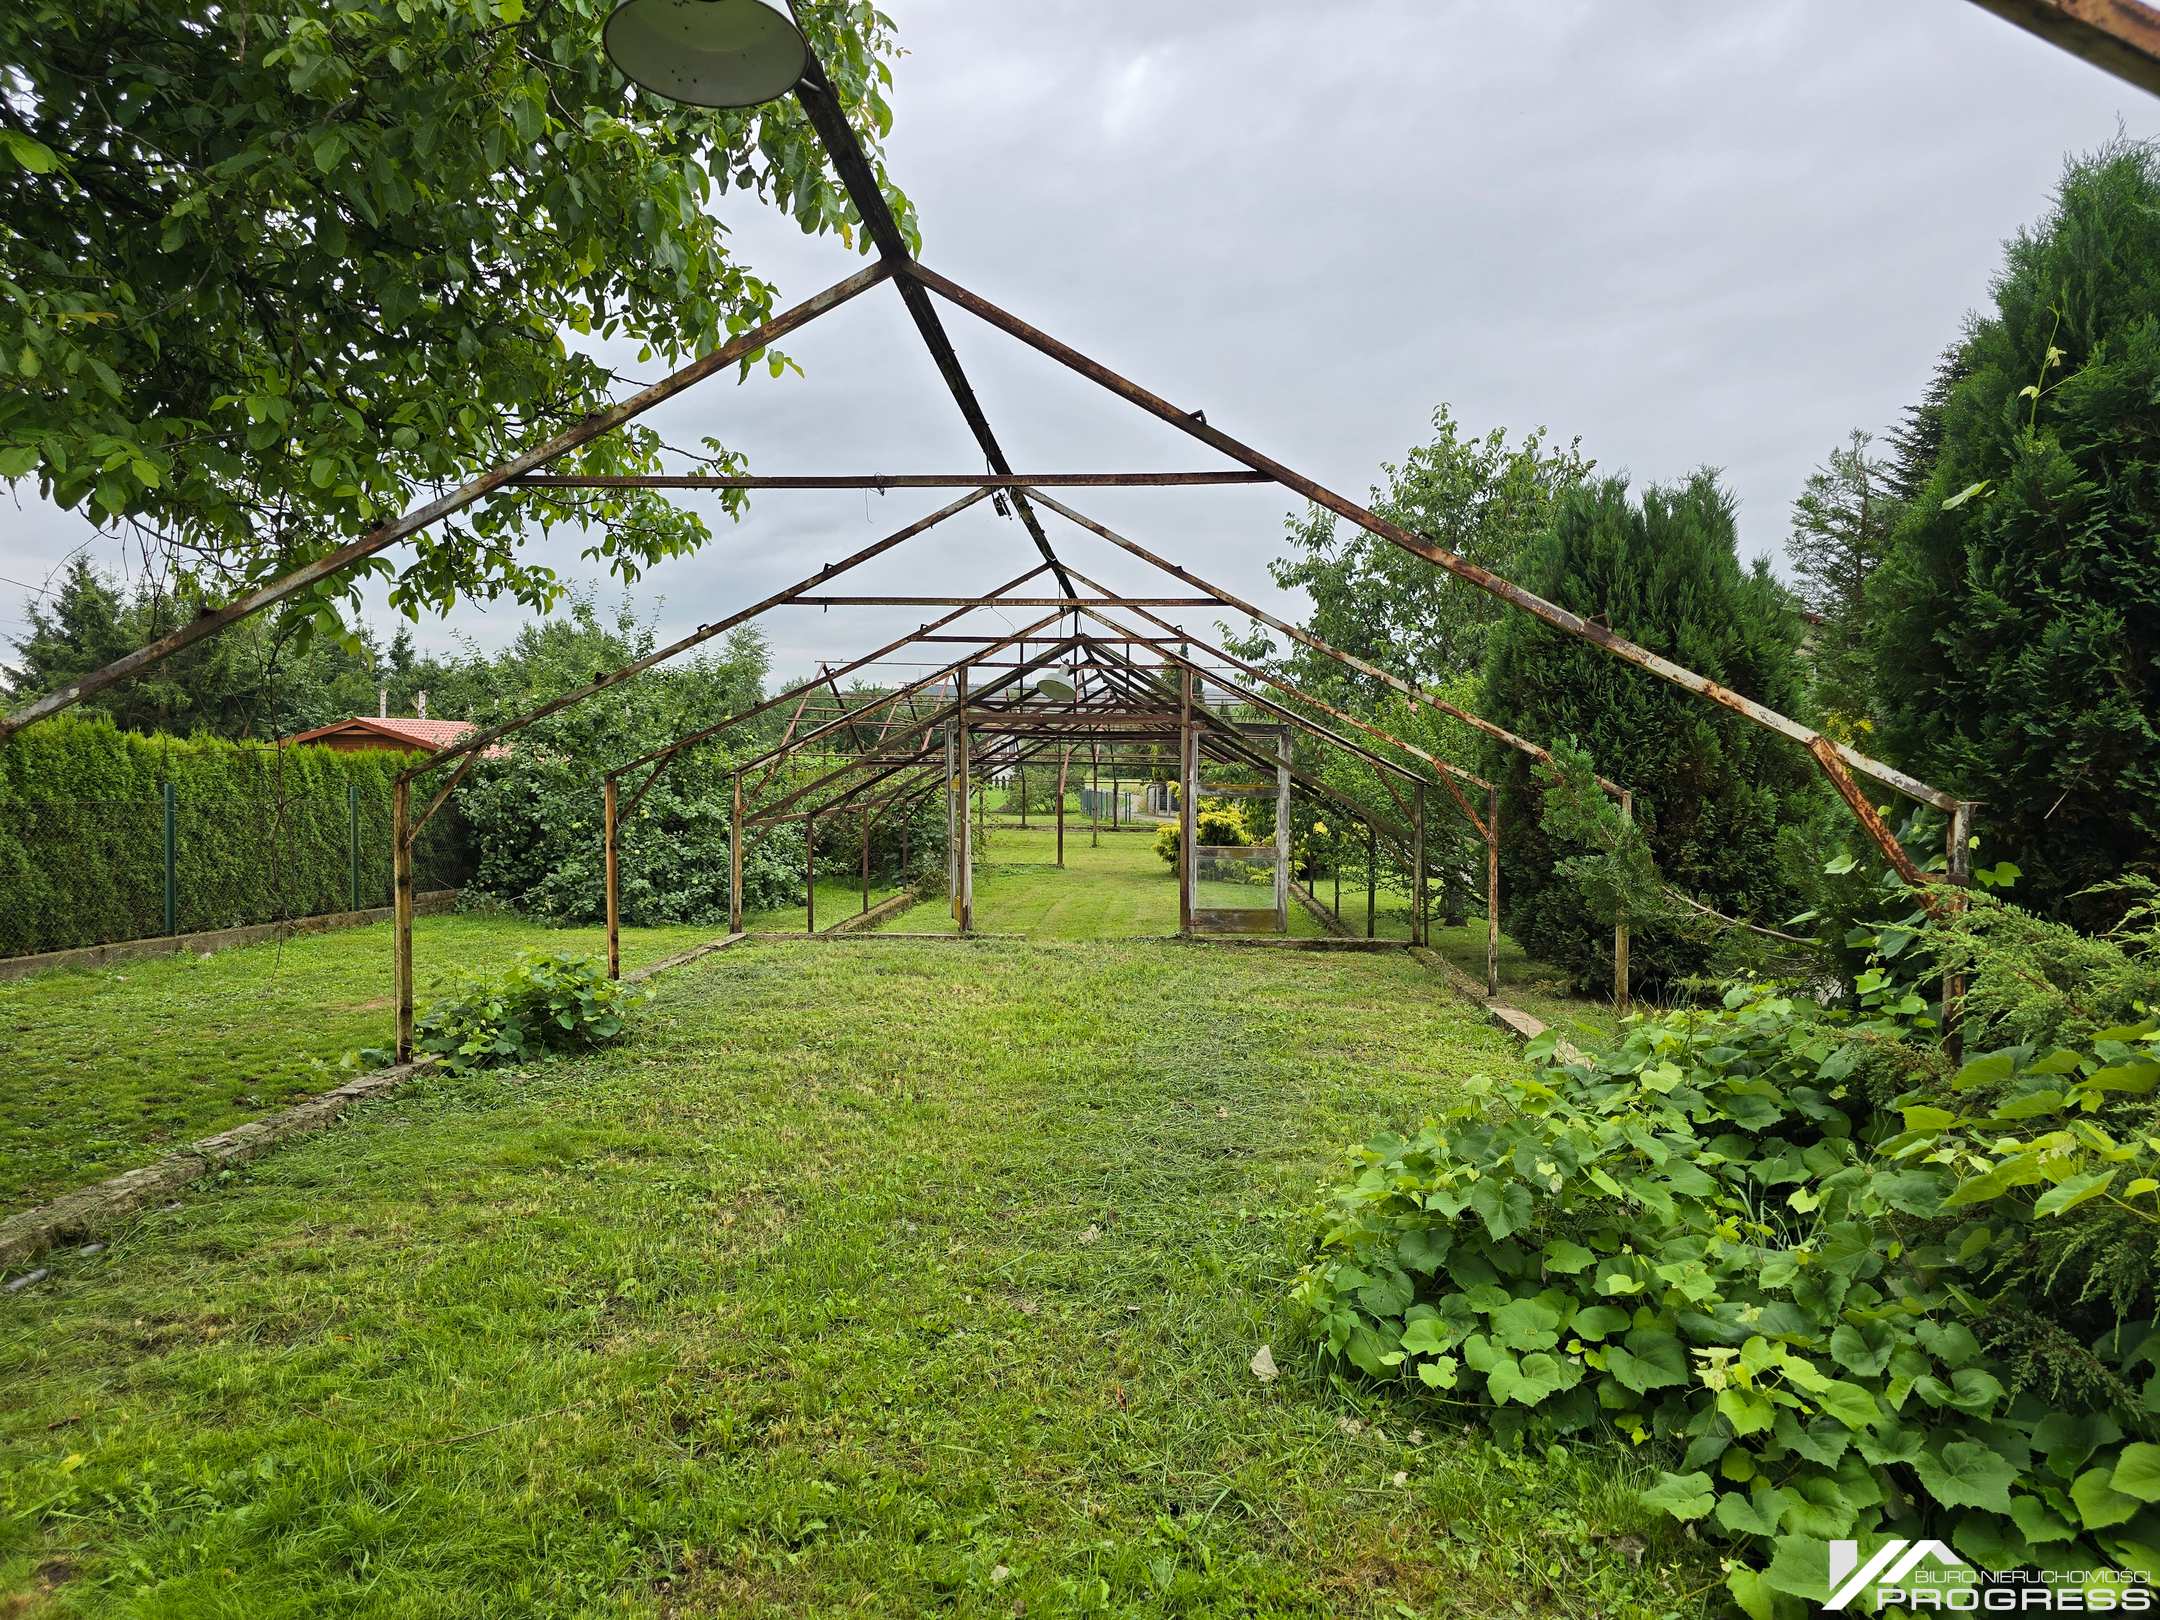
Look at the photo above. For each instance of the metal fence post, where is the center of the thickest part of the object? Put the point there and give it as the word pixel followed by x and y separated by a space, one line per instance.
pixel 172 850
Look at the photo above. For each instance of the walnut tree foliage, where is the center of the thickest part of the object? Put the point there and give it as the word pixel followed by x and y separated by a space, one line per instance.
pixel 1482 498
pixel 274 273
pixel 2016 619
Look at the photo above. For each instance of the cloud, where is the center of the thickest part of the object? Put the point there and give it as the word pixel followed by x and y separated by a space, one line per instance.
pixel 1690 234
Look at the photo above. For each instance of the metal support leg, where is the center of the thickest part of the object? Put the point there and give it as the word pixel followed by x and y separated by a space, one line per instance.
pixel 1492 891
pixel 401 890
pixel 1417 863
pixel 734 899
pixel 1188 795
pixel 607 863
pixel 1622 991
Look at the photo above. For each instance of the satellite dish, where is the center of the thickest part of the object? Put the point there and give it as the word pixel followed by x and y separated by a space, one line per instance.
pixel 707 53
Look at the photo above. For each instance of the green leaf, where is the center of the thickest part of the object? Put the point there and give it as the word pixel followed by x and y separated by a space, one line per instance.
pixel 1862 1349
pixel 1751 1594
pixel 1563 1256
pixel 33 155
pixel 2137 1471
pixel 1649 1360
pixel 1504 1207
pixel 1800 1568
pixel 1598 1321
pixel 1752 1513
pixel 18 460
pixel 1526 1324
pixel 1438 1372
pixel 2038 1523
pixel 1531 1379
pixel 2099 1504
pixel 1427 1336
pixel 1966 1473
pixel 1747 1411
pixel 1684 1496
pixel 1965 494
pixel 2067 1195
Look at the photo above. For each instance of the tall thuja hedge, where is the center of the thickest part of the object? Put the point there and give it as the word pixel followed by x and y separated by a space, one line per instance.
pixel 263 833
pixel 2016 620
pixel 1710 789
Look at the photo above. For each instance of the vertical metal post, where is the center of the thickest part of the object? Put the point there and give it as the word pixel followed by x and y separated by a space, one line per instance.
pixel 1492 891
pixel 1335 861
pixel 607 840
pixel 734 896
pixel 352 838
pixel 952 818
pixel 1064 761
pixel 1282 829
pixel 1417 863
pixel 172 857
pixel 1188 800
pixel 1957 860
pixel 967 842
pixel 866 859
pixel 1621 988
pixel 1095 797
pixel 1020 776
pixel 809 872
pixel 401 900
pixel 1372 876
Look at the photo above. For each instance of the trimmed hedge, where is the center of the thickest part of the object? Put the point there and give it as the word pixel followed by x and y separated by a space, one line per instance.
pixel 262 834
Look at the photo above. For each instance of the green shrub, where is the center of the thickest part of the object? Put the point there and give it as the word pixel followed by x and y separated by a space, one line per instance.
pixel 548 1001
pixel 1215 821
pixel 1711 790
pixel 262 833
pixel 1822 1326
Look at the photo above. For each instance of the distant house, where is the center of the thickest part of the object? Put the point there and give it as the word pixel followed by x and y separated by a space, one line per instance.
pixel 397 732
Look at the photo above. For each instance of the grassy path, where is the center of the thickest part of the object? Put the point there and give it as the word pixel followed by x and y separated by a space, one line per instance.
pixel 877 1279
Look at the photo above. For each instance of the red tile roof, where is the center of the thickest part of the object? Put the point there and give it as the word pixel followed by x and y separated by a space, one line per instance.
pixel 428 735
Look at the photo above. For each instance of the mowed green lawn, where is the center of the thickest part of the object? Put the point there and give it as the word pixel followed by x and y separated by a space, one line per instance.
pixel 1119 888
pixel 884 1278
pixel 106 1068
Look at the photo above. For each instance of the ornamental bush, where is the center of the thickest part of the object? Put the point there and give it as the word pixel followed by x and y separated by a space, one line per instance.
pixel 1821 1322
pixel 1215 821
pixel 548 1001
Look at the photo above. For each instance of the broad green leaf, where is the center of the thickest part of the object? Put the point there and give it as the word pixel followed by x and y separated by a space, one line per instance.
pixel 2099 1504
pixel 1684 1496
pixel 1649 1360
pixel 2067 1195
pixel 1598 1321
pixel 1965 1473
pixel 1564 1256
pixel 2137 1471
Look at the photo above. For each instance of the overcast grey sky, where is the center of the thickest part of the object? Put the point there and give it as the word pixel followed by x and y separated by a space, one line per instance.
pixel 1688 232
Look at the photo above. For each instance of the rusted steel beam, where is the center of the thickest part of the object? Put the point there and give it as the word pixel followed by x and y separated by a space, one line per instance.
pixel 1306 638
pixel 1876 828
pixel 411 523
pixel 849 161
pixel 946 713
pixel 1442 768
pixel 1301 722
pixel 478 740
pixel 660 756
pixel 1067 602
pixel 885 481
pixel 2121 37
pixel 1571 624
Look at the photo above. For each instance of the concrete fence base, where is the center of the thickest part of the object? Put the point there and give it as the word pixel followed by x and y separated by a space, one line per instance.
pixel 213 939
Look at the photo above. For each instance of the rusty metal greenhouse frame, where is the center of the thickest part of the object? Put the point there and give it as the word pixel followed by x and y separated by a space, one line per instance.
pixel 995 723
